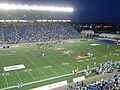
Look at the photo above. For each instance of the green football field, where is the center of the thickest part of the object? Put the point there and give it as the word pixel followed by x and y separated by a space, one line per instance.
pixel 55 62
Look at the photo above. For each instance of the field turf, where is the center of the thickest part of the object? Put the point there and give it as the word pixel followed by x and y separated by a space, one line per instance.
pixel 54 63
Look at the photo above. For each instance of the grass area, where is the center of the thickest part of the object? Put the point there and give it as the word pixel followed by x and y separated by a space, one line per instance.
pixel 54 63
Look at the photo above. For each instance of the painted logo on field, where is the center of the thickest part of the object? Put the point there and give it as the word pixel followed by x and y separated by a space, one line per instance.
pixel 80 56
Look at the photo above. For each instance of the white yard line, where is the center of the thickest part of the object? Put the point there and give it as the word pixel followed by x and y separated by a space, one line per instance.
pixel 15 70
pixel 85 62
pixel 35 65
pixel 70 60
pixel 45 64
pixel 4 72
pixel 57 65
pixel 46 79
pixel 32 76
pixel 25 67
pixel 86 58
pixel 61 62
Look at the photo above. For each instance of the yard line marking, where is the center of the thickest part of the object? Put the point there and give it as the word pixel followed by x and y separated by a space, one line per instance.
pixel 73 61
pixel 63 61
pixel 83 62
pixel 57 65
pixel 60 61
pixel 4 72
pixel 45 64
pixel 28 72
pixel 34 64
pixel 30 83
pixel 76 62
pixel 69 60
pixel 15 70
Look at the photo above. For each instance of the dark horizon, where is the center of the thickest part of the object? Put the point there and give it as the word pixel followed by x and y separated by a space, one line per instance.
pixel 84 10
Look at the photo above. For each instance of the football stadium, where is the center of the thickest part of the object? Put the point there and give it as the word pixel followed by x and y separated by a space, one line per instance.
pixel 42 49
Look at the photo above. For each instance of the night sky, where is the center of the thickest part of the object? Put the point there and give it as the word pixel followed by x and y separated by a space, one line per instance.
pixel 84 10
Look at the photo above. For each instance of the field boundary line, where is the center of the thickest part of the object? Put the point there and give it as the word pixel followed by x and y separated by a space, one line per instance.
pixel 47 79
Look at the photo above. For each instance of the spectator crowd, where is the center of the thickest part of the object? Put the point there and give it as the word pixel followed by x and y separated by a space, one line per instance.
pixel 32 15
pixel 16 33
pixel 112 83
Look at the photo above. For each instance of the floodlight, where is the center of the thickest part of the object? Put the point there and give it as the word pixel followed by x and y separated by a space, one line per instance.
pixel 20 6
pixel 42 8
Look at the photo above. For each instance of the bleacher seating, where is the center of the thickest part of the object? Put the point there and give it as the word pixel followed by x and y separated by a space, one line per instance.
pixel 15 33
pixel 111 83
pixel 31 15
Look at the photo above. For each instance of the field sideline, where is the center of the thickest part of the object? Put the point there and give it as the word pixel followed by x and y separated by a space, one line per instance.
pixel 55 63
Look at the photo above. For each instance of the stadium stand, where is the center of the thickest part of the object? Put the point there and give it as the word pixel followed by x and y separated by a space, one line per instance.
pixel 31 15
pixel 33 31
pixel 15 33
pixel 111 83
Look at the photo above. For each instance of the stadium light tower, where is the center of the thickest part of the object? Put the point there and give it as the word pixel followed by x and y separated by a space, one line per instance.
pixel 41 8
